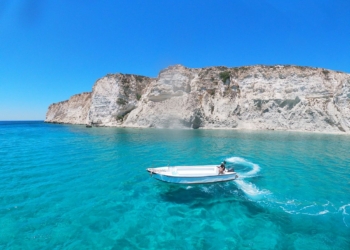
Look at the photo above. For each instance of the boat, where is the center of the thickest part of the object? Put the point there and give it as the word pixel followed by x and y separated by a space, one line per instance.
pixel 191 174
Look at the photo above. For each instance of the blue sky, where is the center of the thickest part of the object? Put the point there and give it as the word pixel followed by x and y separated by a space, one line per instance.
pixel 51 50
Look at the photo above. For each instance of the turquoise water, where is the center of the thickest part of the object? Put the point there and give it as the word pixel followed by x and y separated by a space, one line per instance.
pixel 70 187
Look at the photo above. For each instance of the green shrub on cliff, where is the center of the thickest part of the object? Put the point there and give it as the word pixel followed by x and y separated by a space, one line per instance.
pixel 119 117
pixel 121 101
pixel 224 76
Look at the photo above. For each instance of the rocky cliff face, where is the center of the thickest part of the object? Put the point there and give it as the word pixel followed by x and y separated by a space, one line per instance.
pixel 73 111
pixel 114 96
pixel 255 97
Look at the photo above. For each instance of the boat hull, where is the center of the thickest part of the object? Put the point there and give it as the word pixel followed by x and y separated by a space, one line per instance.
pixel 168 175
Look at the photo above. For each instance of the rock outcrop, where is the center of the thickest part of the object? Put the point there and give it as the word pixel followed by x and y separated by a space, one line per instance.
pixel 115 96
pixel 73 111
pixel 254 97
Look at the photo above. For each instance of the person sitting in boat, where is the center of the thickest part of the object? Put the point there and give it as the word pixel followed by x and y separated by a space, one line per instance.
pixel 231 169
pixel 221 168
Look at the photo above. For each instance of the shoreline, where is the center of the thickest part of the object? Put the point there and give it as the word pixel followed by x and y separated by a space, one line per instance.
pixel 210 128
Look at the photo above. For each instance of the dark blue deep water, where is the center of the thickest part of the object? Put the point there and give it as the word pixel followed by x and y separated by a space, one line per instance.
pixel 71 187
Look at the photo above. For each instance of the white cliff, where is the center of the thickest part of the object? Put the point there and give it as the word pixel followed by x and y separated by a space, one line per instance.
pixel 114 96
pixel 73 111
pixel 254 97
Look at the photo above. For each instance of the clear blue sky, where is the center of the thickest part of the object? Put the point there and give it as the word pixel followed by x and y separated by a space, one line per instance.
pixel 51 50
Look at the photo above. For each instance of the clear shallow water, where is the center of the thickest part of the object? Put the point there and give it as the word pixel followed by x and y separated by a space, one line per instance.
pixel 76 188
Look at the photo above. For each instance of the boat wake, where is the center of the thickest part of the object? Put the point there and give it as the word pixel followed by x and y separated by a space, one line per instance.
pixel 246 169
pixel 295 207
pixel 246 165
pixel 346 214
pixel 251 190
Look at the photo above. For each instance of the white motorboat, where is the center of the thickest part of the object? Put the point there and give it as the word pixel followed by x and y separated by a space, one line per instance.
pixel 191 174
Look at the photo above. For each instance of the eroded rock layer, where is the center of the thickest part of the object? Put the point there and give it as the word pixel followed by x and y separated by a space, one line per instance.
pixel 254 97
pixel 73 111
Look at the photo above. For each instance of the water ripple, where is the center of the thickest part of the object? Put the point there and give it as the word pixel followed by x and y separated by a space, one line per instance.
pixel 70 187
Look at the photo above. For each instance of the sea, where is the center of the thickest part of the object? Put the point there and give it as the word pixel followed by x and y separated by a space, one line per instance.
pixel 72 187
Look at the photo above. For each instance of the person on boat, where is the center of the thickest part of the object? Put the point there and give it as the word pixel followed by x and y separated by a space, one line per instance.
pixel 221 168
pixel 224 162
pixel 231 169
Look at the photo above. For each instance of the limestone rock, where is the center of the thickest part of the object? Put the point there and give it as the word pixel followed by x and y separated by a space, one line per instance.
pixel 255 97
pixel 73 111
pixel 113 97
